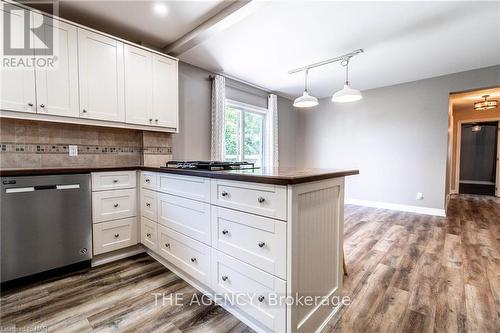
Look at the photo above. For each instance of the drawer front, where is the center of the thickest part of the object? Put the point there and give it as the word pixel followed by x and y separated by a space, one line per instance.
pixel 196 188
pixel 149 180
pixel 189 255
pixel 114 235
pixel 189 217
pixel 231 276
pixel 149 201
pixel 113 205
pixel 261 199
pixel 102 181
pixel 149 234
pixel 256 240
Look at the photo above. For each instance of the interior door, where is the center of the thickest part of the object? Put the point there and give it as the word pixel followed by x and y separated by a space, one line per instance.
pixel 101 77
pixel 138 86
pixel 165 96
pixel 497 187
pixel 17 83
pixel 57 87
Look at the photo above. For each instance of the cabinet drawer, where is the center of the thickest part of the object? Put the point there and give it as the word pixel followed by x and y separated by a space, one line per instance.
pixel 113 205
pixel 256 240
pixel 149 201
pixel 231 276
pixel 189 255
pixel 196 188
pixel 149 180
pixel 262 199
pixel 149 234
pixel 102 181
pixel 114 235
pixel 189 217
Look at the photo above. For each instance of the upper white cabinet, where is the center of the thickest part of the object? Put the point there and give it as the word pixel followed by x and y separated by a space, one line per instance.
pixel 17 85
pixel 150 88
pixel 101 76
pixel 57 87
pixel 165 91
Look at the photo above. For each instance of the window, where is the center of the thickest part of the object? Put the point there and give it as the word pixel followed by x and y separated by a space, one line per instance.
pixel 244 133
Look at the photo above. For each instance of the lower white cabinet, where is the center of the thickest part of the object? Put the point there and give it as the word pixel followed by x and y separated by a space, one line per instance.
pixel 191 256
pixel 149 204
pixel 114 235
pixel 112 205
pixel 258 290
pixel 149 234
pixel 189 217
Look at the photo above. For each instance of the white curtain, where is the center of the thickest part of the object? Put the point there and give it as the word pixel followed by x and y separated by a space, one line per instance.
pixel 272 130
pixel 218 105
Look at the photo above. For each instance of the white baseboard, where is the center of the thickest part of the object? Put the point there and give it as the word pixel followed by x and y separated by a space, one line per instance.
pixel 117 255
pixel 392 206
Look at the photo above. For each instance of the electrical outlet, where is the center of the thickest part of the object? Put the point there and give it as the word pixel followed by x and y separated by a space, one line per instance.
pixel 420 196
pixel 73 150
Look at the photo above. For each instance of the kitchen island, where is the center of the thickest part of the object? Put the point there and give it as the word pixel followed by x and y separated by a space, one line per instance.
pixel 266 244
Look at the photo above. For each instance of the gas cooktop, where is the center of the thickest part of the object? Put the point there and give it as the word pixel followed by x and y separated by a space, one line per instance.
pixel 209 165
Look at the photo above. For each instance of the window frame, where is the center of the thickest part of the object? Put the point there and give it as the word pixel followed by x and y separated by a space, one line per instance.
pixel 244 108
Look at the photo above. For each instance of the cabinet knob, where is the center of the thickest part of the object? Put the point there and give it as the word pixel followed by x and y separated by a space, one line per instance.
pixel 150 119
pixel 224 277
pixel 261 200
pixel 193 259
pixel 84 111
pixel 148 204
pixel 115 181
pixel 117 235
pixel 167 245
pixel 147 180
pixel 148 235
pixel 156 120
pixel 224 194
pixel 262 244
pixel 115 205
pixel 42 105
pixel 261 299
pixel 225 232
pixel 30 104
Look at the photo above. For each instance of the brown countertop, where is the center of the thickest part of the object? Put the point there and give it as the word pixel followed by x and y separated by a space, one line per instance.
pixel 278 176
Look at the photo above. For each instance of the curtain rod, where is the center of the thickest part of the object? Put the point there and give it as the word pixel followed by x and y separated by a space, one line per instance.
pixel 211 76
pixel 328 61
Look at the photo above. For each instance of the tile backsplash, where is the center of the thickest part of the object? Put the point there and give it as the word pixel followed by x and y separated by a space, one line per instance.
pixel 33 144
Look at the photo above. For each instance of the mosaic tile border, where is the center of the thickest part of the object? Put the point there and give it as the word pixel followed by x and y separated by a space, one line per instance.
pixel 35 148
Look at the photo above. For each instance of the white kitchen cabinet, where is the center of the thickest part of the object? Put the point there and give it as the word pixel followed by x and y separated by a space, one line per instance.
pixel 138 86
pixel 57 87
pixel 17 85
pixel 196 188
pixel 165 91
pixel 114 235
pixel 149 206
pixel 101 77
pixel 149 234
pixel 113 180
pixel 112 205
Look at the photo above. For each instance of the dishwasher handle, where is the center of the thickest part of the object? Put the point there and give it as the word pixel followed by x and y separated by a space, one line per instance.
pixel 41 188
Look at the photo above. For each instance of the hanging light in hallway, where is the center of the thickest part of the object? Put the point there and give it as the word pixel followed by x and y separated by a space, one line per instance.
pixel 486 103
pixel 476 128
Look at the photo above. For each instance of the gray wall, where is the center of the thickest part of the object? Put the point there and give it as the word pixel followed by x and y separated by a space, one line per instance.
pixel 396 136
pixel 193 140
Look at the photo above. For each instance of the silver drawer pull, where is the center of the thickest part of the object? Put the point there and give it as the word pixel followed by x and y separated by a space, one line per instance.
pixel 193 259
pixel 115 181
pixel 261 200
pixel 262 244
pixel 148 235
pixel 261 299
pixel 148 204
pixel 84 111
pixel 42 105
pixel 117 235
pixel 147 180
pixel 167 245
pixel 224 194
pixel 224 277
pixel 30 104
pixel 116 205
pixel 225 232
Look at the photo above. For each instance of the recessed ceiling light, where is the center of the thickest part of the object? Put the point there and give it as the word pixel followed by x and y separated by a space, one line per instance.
pixel 160 8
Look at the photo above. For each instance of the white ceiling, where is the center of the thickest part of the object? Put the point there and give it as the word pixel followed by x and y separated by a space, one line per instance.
pixel 136 20
pixel 403 41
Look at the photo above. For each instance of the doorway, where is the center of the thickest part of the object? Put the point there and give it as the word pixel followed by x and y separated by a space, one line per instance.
pixel 478 158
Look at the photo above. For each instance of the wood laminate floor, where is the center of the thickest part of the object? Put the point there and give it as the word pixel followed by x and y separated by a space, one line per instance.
pixel 407 273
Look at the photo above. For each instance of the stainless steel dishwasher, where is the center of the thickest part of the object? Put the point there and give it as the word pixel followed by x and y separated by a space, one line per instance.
pixel 45 223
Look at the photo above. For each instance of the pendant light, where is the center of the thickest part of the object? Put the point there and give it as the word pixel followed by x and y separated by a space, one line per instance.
pixel 347 94
pixel 486 104
pixel 306 100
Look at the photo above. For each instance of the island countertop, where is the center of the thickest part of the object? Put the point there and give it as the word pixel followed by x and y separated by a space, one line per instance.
pixel 276 176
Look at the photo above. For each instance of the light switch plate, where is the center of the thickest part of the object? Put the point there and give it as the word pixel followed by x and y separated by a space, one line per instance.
pixel 73 150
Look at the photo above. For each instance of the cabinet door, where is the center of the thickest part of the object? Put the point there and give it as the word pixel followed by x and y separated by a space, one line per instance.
pixel 138 86
pixel 17 83
pixel 165 95
pixel 57 87
pixel 101 77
